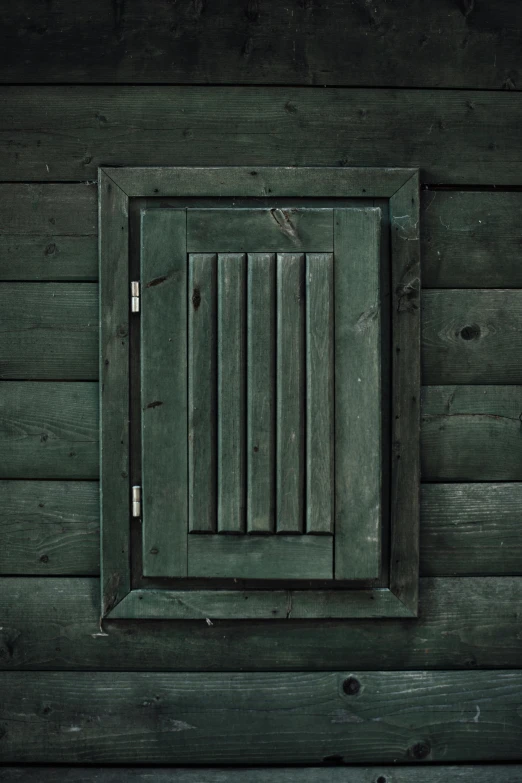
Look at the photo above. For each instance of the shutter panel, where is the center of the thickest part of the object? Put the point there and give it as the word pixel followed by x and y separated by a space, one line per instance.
pixel 164 392
pixel 261 394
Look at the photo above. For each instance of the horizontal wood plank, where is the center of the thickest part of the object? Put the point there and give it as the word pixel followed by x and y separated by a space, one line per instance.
pixel 471 336
pixel 309 718
pixel 49 430
pixel 468 336
pixel 48 232
pixel 463 773
pixel 471 239
pixel 49 331
pixel 471 529
pixel 471 433
pixel 50 527
pixel 466 529
pixel 454 137
pixel 251 230
pixel 406 45
pixel 54 623
pixel 261 557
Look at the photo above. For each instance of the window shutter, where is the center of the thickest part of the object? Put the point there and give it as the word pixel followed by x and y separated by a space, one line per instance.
pixel 262 384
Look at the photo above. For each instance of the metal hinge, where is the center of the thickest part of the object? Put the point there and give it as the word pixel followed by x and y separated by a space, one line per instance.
pixel 135 297
pixel 136 501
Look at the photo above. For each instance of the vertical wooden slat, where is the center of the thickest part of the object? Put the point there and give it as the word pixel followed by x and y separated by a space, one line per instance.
pixel 261 393
pixel 319 393
pixel 114 392
pixel 290 392
pixel 357 394
pixel 164 392
pixel 231 392
pixel 202 392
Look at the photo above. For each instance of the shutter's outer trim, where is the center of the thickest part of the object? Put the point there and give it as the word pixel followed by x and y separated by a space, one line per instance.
pixel 401 187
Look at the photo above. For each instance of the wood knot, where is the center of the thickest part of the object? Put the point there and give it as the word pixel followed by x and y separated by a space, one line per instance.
pixel 420 751
pixel 196 298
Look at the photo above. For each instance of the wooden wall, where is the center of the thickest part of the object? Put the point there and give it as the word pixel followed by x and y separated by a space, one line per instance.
pixel 301 82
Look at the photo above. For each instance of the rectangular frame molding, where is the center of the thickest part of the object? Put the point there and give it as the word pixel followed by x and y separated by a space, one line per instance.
pixel 116 187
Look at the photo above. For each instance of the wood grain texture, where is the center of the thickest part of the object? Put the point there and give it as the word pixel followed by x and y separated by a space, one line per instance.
pixel 53 623
pixel 231 345
pixel 471 529
pixel 148 717
pixel 412 45
pixel 471 239
pixel 202 392
pixel 261 392
pixel 269 604
pixel 260 557
pixel 406 387
pixel 471 336
pixel 49 430
pixel 319 393
pixel 50 527
pixel 358 436
pixel 164 393
pixel 48 232
pixel 268 230
pixel 466 529
pixel 114 392
pixel 471 433
pixel 291 380
pixel 468 336
pixel 49 331
pixel 463 773
pixel 76 129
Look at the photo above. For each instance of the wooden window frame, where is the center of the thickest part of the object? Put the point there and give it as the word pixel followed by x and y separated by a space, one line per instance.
pixel 401 188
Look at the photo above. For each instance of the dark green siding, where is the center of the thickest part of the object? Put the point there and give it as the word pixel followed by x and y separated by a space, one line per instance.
pixel 316 83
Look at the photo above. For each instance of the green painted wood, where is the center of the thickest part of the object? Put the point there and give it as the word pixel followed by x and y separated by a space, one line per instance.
pixel 291 380
pixel 269 230
pixel 48 232
pixel 164 403
pixel 404 209
pixel 471 239
pixel 54 623
pixel 212 605
pixel 412 45
pixel 266 181
pixel 461 424
pixel 50 527
pixel 114 392
pixel 261 392
pixel 101 717
pixel 260 557
pixel 49 331
pixel 202 392
pixel 471 433
pixel 497 773
pixel 471 336
pixel 466 529
pixel 49 430
pixel 357 394
pixel 67 136
pixel 231 347
pixel 319 393
pixel 471 529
